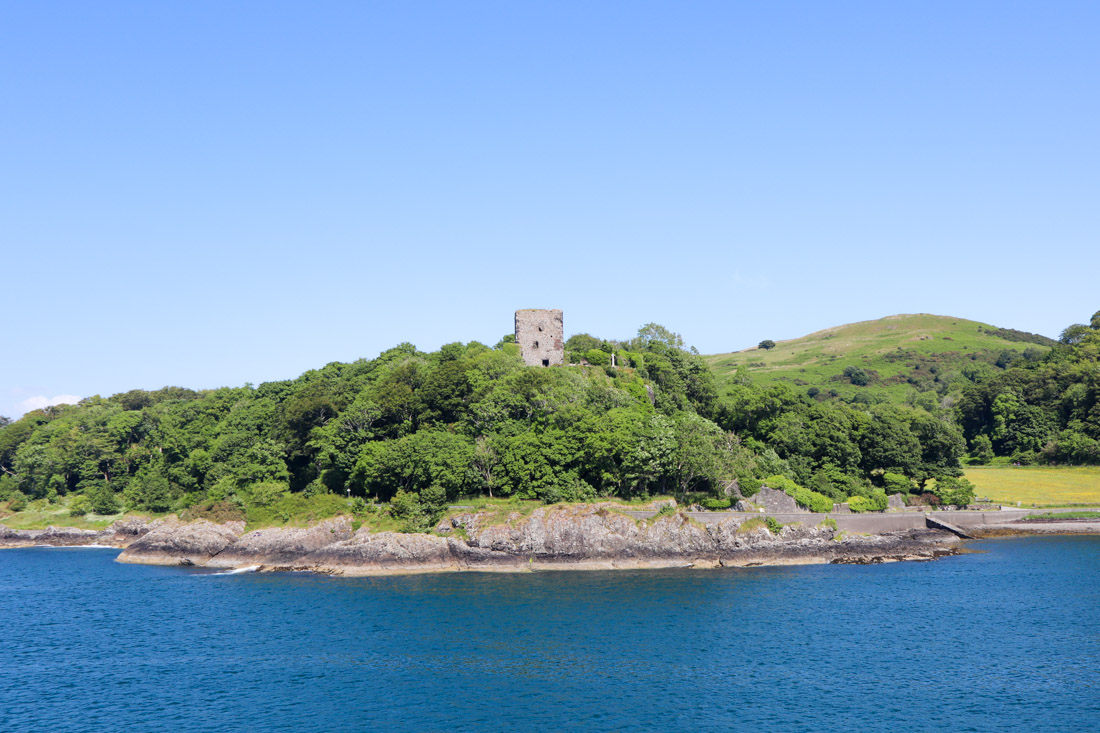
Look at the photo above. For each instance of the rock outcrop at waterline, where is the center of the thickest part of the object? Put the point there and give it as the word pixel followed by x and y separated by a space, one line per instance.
pixel 556 537
pixel 120 534
pixel 182 543
pixel 278 546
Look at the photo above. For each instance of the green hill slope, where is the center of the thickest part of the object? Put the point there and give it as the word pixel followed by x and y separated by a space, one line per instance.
pixel 887 359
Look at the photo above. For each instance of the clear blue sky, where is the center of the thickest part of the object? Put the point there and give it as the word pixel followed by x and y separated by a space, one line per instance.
pixel 213 193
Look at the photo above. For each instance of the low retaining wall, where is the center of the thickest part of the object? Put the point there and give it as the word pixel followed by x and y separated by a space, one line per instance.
pixel 977 519
pixel 872 523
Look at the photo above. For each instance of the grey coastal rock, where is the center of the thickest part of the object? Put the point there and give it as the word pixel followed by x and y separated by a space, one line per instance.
pixel 281 545
pixel 18 537
pixel 177 543
pixel 69 536
pixel 123 532
pixel 564 536
pixel 591 534
pixel 771 501
pixel 596 536
pixel 367 553
pixel 120 534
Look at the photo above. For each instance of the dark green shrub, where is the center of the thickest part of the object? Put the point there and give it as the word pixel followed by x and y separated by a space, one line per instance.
pixel 596 357
pixel 104 500
pixel 434 500
pixel 896 483
pixel 857 376
pixel 1071 447
pixel 150 491
pixel 749 486
pixel 315 487
pixel 79 506
pixel 773 525
pixel 822 484
pixel 981 450
pixel 417 515
pixel 1023 457
pixel 716 504
pixel 858 504
pixel 190 499
pixel 17 501
pixel 876 502
pixel 954 491
pixel 566 488
pixel 267 493
pixel 7 486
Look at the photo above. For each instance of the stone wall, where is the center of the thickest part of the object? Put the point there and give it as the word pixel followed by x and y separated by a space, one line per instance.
pixel 871 522
pixel 541 337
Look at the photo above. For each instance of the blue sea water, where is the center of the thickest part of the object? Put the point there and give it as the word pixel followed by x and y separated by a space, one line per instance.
pixel 1006 639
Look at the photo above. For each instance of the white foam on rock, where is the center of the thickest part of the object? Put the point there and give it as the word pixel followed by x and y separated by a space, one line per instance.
pixel 238 571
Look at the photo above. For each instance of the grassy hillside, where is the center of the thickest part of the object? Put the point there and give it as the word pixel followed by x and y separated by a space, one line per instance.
pixel 894 356
pixel 1040 485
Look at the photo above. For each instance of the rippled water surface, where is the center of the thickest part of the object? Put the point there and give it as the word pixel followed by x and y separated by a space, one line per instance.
pixel 1008 639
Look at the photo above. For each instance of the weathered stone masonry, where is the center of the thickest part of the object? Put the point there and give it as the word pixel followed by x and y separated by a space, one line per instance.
pixel 541 337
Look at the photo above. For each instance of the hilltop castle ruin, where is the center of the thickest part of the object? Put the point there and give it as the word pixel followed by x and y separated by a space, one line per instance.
pixel 541 337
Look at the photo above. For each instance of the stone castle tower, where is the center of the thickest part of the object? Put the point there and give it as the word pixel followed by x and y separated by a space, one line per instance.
pixel 541 337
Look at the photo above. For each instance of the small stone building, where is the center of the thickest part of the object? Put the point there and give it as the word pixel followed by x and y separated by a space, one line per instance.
pixel 541 337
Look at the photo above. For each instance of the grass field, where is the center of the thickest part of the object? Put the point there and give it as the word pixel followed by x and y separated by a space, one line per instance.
pixel 1039 485
pixel 1062 516
pixel 40 515
pixel 895 347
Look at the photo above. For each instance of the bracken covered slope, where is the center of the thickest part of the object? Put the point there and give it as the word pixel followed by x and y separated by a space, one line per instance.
pixel 896 354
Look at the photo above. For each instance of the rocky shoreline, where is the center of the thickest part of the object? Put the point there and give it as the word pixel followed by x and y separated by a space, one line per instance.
pixel 562 537
pixel 120 534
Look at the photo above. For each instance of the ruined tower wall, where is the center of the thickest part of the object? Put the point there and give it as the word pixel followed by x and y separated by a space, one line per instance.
pixel 541 337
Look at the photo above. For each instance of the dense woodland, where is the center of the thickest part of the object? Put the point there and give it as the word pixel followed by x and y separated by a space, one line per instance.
pixel 424 429
pixel 1046 411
